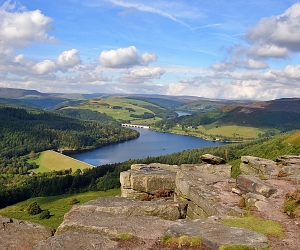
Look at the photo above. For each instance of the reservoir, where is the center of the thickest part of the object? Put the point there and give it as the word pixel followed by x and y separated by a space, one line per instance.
pixel 150 143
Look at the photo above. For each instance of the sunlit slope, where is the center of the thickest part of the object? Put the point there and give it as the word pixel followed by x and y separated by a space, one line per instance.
pixel 50 161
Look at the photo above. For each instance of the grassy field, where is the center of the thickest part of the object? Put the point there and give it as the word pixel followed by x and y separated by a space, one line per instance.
pixel 50 160
pixel 231 132
pixel 57 205
pixel 105 106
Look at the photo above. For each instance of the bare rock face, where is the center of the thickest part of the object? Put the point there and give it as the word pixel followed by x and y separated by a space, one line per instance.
pixel 252 184
pixel 212 159
pixel 198 190
pixel 21 235
pixel 220 170
pixel 251 165
pixel 113 225
pixel 168 210
pixel 77 240
pixel 215 234
pixel 146 179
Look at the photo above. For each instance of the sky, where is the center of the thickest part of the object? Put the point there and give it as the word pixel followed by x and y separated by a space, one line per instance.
pixel 214 49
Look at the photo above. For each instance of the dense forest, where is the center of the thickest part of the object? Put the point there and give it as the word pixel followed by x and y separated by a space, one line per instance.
pixel 33 130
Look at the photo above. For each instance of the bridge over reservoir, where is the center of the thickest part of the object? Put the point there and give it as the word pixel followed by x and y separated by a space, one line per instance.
pixel 135 126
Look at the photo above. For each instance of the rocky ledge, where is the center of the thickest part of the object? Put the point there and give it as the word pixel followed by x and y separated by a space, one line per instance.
pixel 188 200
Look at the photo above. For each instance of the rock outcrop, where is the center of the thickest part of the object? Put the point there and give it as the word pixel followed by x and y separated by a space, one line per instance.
pixel 251 165
pixel 252 184
pixel 20 235
pixel 199 195
pixel 198 191
pixel 215 234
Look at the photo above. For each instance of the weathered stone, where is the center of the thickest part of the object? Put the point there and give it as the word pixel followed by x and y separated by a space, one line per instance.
pixel 147 179
pixel 222 169
pixel 255 165
pixel 198 188
pixel 113 225
pixel 259 201
pixel 169 210
pixel 212 159
pixel 21 235
pixel 215 234
pixel 290 170
pixel 77 240
pixel 252 184
pixel 289 159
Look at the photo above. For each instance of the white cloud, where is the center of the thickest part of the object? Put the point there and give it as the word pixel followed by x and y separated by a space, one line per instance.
pixel 252 64
pixel 68 58
pixel 141 75
pixel 125 57
pixel 120 58
pixel 44 67
pixel 225 66
pixel 20 28
pixel 267 50
pixel 147 58
pixel 276 35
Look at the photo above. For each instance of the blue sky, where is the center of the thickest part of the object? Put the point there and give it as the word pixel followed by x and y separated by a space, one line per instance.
pixel 215 49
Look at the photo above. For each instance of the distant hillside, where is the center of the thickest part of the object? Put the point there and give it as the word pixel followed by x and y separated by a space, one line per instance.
pixel 25 130
pixel 284 104
pixel 18 93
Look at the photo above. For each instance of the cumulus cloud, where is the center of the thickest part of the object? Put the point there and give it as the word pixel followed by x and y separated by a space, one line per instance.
pixel 225 66
pixel 20 28
pixel 147 58
pixel 125 57
pixel 276 35
pixel 252 64
pixel 44 67
pixel 141 75
pixel 68 58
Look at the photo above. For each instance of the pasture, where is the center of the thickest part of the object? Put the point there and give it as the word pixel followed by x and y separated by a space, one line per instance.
pixel 57 205
pixel 120 108
pixel 50 161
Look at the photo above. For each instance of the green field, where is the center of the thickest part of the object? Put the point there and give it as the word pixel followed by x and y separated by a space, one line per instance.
pixel 57 205
pixel 106 106
pixel 50 161
pixel 233 133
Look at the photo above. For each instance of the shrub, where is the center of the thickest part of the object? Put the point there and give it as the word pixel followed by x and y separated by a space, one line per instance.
pixel 291 204
pixel 73 201
pixel 45 215
pixel 34 208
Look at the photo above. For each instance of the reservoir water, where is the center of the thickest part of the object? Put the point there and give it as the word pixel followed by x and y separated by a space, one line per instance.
pixel 150 143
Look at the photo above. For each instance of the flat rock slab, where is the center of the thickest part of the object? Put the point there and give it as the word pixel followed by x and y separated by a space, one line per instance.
pixel 77 240
pixel 255 165
pixel 113 225
pixel 21 235
pixel 168 210
pixel 215 234
pixel 252 184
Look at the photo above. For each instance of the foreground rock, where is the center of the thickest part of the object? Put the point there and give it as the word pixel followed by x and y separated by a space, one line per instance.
pixel 215 234
pixel 252 184
pixel 76 240
pixel 198 190
pixel 20 235
pixel 169 210
pixel 212 159
pixel 101 227
pixel 251 165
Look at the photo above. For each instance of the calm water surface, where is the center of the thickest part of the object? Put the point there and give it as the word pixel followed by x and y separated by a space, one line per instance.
pixel 150 143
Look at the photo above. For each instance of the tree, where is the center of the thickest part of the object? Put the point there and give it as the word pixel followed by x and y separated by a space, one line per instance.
pixel 34 208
